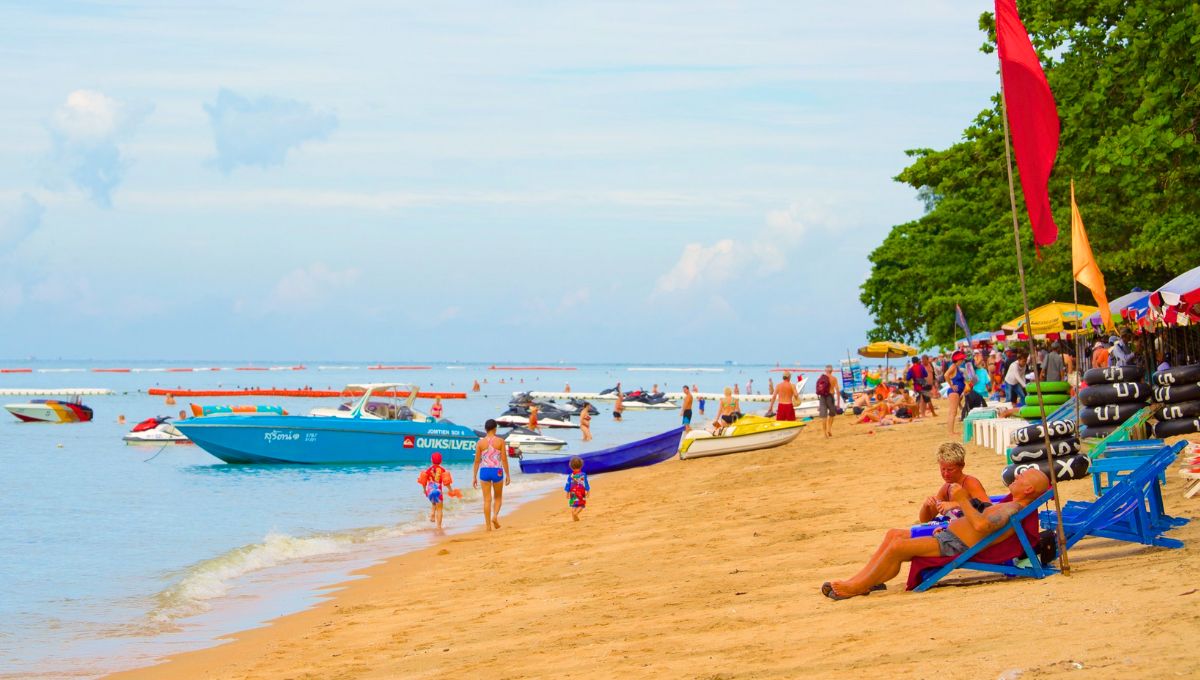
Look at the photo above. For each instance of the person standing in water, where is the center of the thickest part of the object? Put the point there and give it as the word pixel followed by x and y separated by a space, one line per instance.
pixel 436 409
pixel 585 421
pixel 619 407
pixel 491 472
pixel 699 399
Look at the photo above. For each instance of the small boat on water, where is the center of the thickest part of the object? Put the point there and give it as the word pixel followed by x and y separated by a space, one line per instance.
pixel 748 433
pixel 640 453
pixel 379 428
pixel 155 430
pixel 525 440
pixel 51 411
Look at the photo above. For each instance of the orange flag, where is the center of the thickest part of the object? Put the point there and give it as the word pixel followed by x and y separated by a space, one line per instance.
pixel 1084 264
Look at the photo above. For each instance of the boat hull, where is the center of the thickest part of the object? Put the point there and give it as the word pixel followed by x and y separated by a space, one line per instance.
pixel 308 440
pixel 640 453
pixel 719 446
pixel 50 411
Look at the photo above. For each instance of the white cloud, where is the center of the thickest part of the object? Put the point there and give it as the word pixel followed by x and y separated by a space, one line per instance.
pixel 19 222
pixel 85 132
pixel 764 253
pixel 311 286
pixel 261 132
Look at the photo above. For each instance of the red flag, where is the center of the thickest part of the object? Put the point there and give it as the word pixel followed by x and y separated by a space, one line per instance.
pixel 1032 117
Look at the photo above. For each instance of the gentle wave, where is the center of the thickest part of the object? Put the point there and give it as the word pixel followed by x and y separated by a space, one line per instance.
pixel 677 370
pixel 213 578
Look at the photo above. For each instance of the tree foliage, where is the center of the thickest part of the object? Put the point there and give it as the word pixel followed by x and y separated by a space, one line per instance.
pixel 1126 78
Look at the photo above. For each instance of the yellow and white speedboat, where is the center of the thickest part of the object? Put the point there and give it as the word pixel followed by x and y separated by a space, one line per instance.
pixel 748 433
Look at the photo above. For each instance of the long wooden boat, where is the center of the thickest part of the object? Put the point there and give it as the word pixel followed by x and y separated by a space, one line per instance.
pixel 640 453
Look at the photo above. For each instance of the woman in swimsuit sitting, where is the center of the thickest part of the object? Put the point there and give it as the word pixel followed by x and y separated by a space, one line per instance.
pixel 491 471
pixel 728 411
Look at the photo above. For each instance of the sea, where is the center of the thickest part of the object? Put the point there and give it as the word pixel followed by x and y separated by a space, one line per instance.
pixel 112 555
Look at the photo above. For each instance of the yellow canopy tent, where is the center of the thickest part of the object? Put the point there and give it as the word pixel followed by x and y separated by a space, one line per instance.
pixel 1055 317
pixel 886 350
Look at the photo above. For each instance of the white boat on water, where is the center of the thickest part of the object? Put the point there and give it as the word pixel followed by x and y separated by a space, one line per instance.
pixel 514 420
pixel 748 433
pixel 527 441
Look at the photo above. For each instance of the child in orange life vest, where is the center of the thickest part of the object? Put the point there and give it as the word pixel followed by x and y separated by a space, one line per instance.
pixel 577 488
pixel 432 480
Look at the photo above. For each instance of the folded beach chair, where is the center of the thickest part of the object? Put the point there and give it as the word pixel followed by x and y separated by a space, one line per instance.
pixel 1193 477
pixel 1128 510
pixel 998 557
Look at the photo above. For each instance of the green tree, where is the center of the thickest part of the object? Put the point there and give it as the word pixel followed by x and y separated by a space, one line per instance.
pixel 1126 78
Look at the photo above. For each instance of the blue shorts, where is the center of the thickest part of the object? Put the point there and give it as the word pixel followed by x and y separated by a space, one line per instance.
pixel 687 417
pixel 491 474
pixel 435 497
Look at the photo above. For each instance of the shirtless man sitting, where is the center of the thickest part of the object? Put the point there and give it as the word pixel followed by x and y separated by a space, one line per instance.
pixel 962 533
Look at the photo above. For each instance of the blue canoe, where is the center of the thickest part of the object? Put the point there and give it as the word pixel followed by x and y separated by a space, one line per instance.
pixel 317 440
pixel 641 453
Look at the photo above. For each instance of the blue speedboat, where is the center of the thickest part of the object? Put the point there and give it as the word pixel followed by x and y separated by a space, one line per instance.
pixel 640 453
pixel 378 428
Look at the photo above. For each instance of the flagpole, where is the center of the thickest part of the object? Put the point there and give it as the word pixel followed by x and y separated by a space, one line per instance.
pixel 1075 292
pixel 1064 564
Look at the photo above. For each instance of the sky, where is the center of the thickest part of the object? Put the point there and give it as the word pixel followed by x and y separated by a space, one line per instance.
pixel 541 181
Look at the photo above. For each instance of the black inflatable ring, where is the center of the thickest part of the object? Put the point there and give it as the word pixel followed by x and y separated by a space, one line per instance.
pixel 1114 393
pixel 1178 375
pixel 1178 410
pixel 1175 394
pixel 1071 467
pixel 1035 433
pixel 1097 431
pixel 1028 453
pixel 1170 428
pixel 1108 414
pixel 1113 374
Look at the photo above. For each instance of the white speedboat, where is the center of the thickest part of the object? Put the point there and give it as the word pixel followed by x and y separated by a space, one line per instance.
pixel 155 431
pixel 51 411
pixel 748 433
pixel 527 441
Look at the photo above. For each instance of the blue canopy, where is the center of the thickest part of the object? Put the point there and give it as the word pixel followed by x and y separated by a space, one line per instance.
pixel 1137 300
pixel 985 336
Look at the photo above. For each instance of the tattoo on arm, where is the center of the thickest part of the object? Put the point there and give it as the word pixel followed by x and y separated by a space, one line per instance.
pixel 997 517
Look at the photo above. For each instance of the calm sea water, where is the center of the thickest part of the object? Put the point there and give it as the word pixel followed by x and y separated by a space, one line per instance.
pixel 112 555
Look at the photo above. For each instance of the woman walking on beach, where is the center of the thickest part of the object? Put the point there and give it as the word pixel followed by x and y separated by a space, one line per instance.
pixel 956 376
pixel 491 470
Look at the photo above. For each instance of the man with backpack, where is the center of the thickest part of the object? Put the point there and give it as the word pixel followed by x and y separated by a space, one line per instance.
pixel 827 400
pixel 919 377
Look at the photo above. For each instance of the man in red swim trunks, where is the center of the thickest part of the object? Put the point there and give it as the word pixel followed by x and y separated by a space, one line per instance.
pixel 783 399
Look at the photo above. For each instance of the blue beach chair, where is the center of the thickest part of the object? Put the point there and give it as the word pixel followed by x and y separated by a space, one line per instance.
pixel 988 555
pixel 1130 509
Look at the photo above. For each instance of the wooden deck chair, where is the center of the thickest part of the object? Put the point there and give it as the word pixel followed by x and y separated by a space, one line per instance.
pixel 990 555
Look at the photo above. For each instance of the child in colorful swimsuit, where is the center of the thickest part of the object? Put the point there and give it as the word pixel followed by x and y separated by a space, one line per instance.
pixel 577 488
pixel 432 481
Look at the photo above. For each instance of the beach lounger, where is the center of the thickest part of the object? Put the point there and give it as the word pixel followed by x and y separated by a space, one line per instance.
pixel 990 555
pixel 1128 510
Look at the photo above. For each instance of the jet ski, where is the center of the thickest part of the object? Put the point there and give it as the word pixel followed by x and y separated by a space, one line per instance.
pixel 518 416
pixel 524 440
pixel 641 399
pixel 155 430
pixel 578 404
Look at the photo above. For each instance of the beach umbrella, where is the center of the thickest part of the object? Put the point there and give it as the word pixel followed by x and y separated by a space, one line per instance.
pixel 1135 301
pixel 885 350
pixel 1054 317
pixel 1178 300
pixel 984 336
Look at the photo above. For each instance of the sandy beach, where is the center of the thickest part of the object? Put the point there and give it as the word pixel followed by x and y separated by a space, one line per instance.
pixel 711 568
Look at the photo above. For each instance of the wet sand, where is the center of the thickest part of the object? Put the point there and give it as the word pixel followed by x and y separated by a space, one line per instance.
pixel 711 568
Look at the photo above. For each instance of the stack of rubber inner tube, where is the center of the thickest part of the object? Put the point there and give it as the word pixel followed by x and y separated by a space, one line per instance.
pixel 1178 390
pixel 1030 450
pixel 1112 396
pixel 1054 394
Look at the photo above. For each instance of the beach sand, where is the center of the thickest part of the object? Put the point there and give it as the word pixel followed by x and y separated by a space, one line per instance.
pixel 711 568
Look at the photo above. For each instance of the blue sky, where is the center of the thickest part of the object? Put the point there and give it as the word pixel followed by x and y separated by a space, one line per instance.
pixel 543 181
